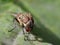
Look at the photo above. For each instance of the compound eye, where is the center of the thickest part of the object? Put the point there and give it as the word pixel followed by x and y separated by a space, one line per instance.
pixel 19 17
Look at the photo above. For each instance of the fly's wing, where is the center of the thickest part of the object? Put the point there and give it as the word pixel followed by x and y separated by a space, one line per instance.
pixel 31 18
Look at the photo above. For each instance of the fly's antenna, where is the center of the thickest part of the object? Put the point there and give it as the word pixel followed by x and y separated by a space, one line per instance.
pixel 13 13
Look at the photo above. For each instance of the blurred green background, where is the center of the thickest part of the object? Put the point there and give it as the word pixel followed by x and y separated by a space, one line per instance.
pixel 46 14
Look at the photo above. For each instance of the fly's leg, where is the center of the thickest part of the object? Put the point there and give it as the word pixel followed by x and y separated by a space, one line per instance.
pixel 26 34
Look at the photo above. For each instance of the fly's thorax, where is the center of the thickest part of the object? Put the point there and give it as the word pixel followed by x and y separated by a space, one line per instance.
pixel 24 17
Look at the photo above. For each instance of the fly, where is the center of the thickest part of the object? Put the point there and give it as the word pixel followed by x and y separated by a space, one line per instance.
pixel 26 21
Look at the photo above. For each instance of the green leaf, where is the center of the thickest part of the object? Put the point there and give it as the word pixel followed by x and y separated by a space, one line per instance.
pixel 46 14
